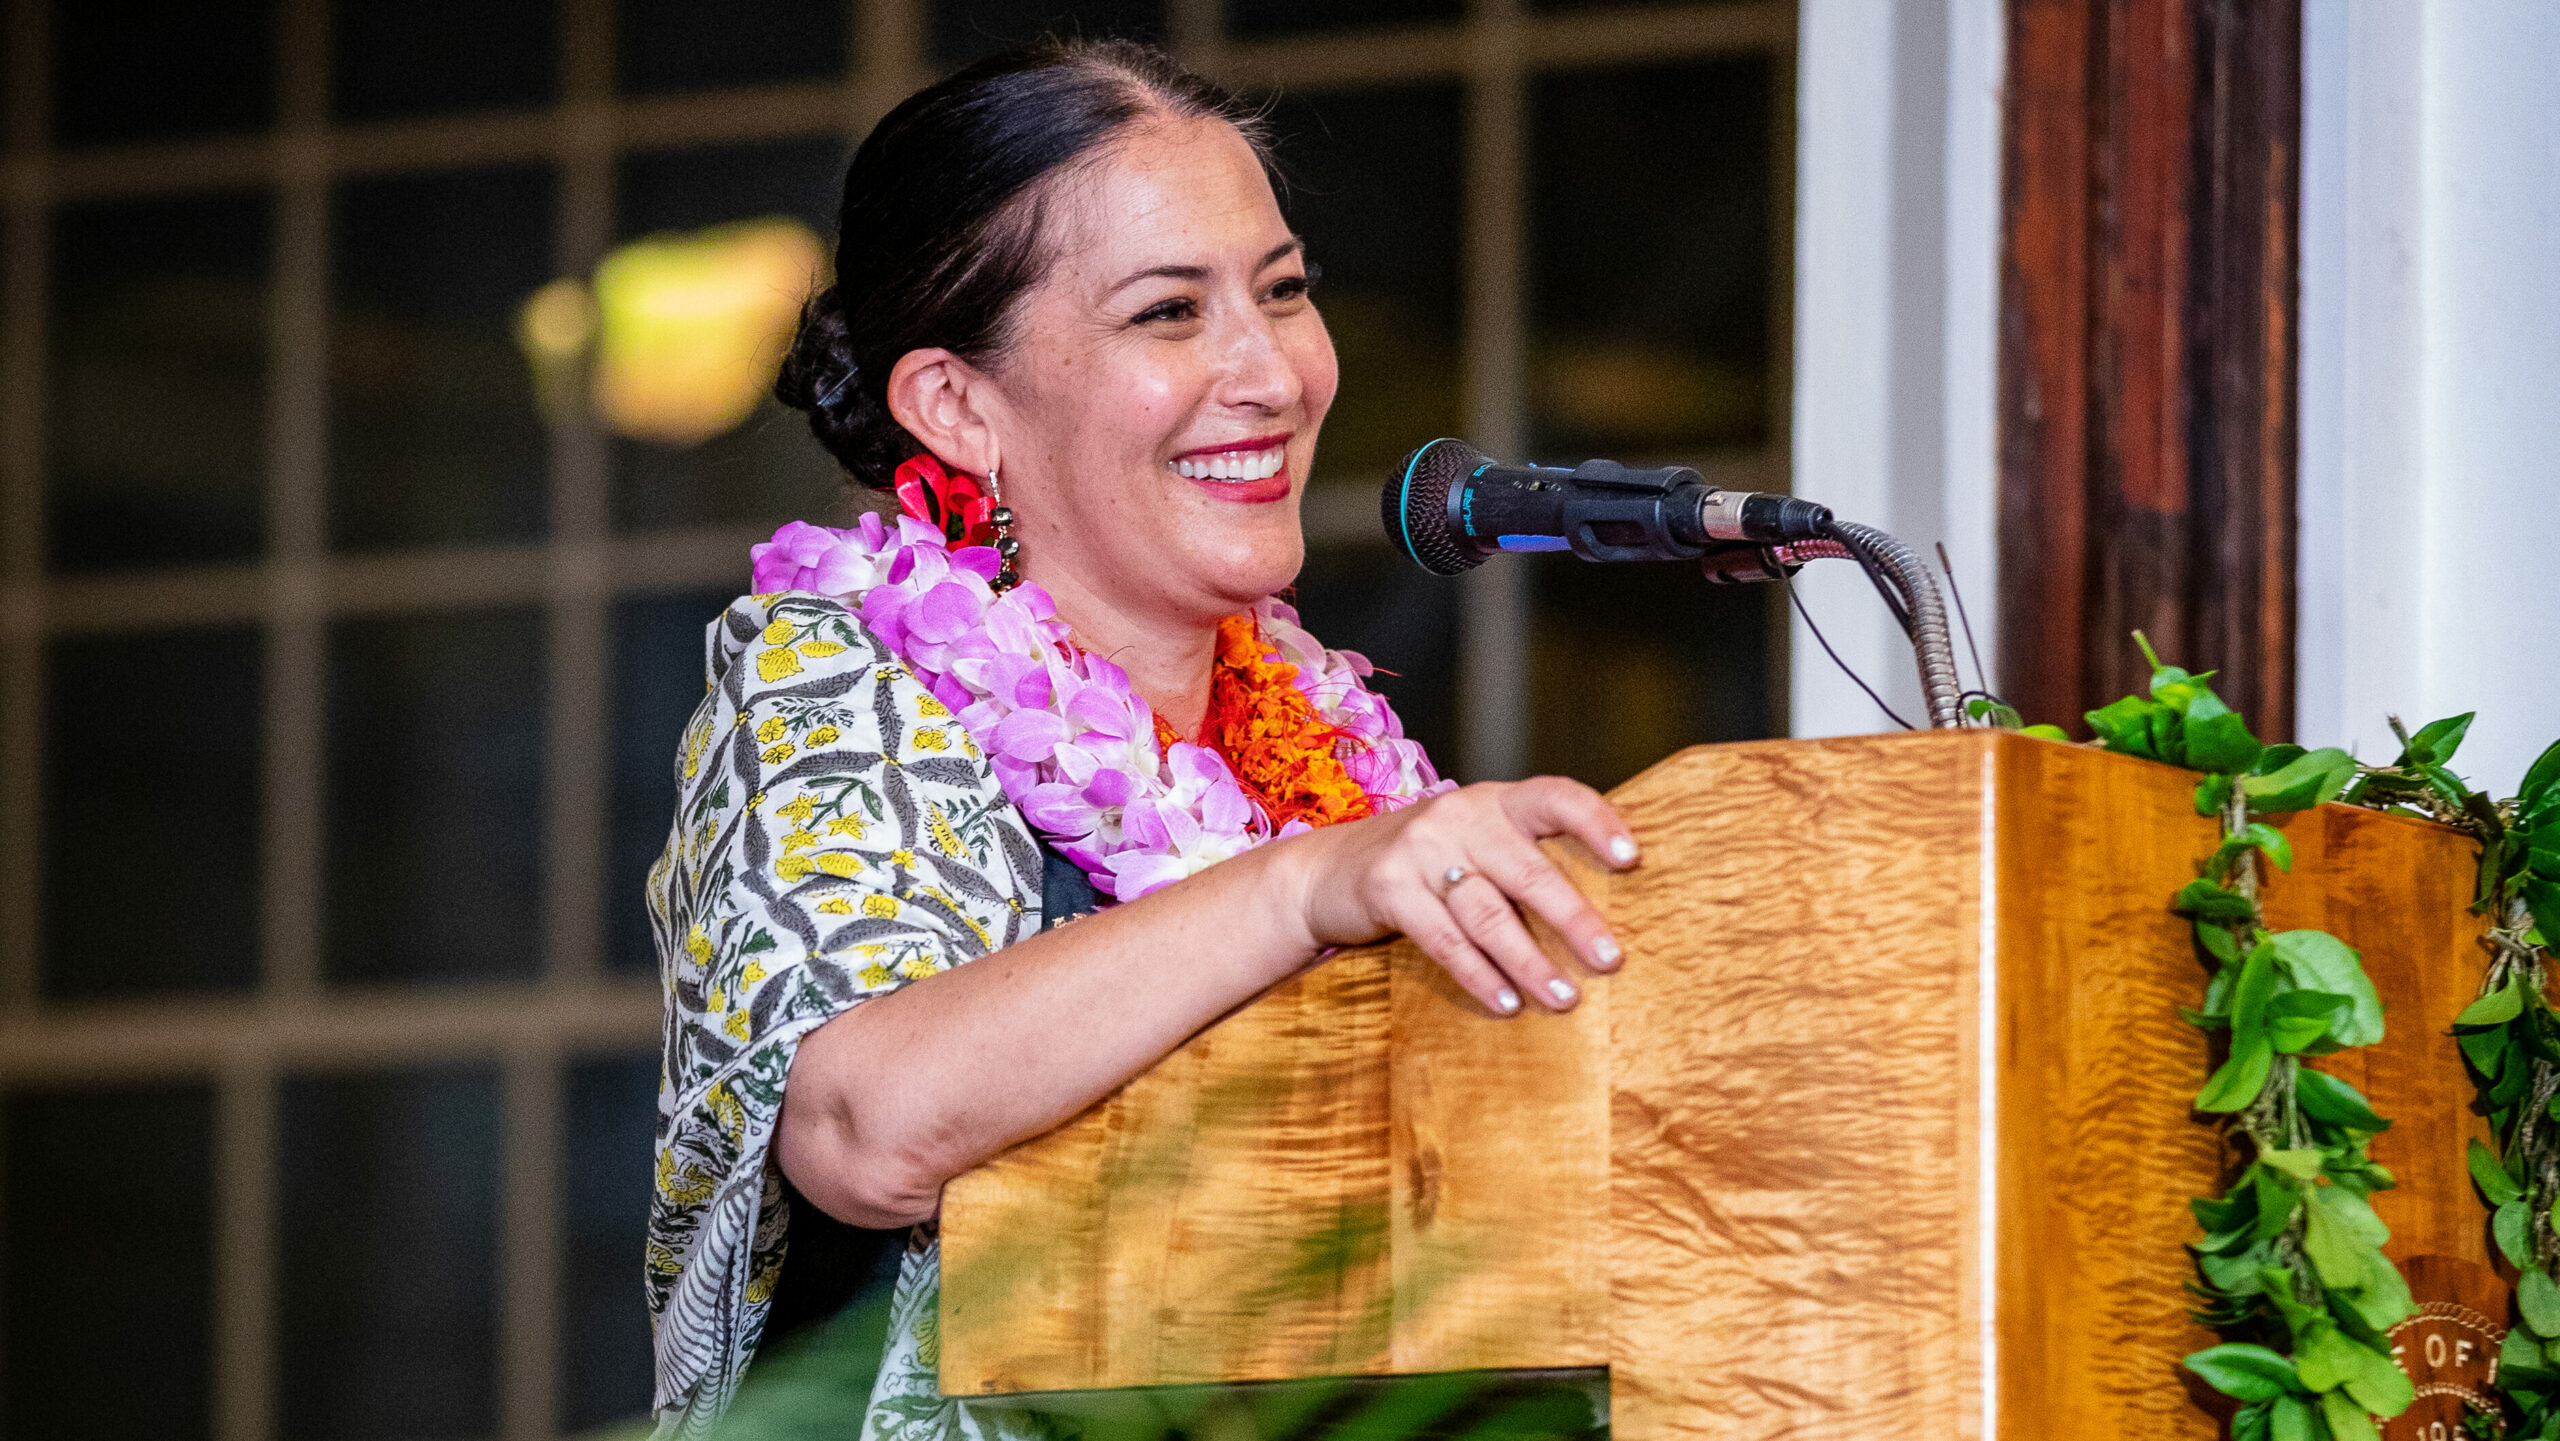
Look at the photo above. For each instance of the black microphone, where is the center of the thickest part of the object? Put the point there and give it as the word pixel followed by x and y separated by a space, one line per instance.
pixel 1449 506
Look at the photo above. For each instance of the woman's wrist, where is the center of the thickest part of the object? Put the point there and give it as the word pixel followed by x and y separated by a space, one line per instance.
pixel 1282 880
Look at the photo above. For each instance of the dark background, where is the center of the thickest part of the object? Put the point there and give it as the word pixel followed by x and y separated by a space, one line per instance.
pixel 245 384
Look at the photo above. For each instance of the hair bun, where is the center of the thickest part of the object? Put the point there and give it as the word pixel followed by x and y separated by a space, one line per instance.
pixel 822 377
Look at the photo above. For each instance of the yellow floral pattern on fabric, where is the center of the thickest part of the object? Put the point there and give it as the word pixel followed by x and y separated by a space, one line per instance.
pixel 826 849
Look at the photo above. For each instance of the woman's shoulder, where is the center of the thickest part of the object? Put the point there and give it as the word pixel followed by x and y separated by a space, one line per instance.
pixel 767 640
pixel 799 671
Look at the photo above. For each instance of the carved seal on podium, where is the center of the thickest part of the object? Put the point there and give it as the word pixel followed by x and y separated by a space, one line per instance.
pixel 2449 1347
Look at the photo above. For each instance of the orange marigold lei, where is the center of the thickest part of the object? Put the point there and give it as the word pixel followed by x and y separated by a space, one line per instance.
pixel 1282 752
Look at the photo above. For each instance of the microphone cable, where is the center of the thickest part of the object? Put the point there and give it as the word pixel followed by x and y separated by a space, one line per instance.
pixel 1903 579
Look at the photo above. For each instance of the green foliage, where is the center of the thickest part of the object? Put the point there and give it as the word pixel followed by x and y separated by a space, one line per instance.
pixel 2290 1266
pixel 2509 1036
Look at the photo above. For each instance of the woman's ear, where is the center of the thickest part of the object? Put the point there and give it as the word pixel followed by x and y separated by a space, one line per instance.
pixel 942 401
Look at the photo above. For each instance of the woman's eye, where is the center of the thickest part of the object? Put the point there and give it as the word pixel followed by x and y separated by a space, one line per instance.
pixel 1167 310
pixel 1296 287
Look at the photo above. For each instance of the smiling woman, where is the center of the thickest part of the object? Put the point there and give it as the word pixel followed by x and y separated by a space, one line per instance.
pixel 1072 333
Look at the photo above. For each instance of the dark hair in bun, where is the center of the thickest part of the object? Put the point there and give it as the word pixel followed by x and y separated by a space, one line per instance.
pixel 942 226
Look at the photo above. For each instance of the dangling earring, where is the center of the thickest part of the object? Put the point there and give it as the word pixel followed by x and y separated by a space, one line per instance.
pixel 1008 575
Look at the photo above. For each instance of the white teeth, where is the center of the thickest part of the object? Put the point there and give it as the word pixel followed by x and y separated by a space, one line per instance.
pixel 1234 465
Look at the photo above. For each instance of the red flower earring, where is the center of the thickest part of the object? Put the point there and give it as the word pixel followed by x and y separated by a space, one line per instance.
pixel 953 504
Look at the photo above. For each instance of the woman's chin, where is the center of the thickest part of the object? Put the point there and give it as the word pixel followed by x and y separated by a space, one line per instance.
pixel 1241 568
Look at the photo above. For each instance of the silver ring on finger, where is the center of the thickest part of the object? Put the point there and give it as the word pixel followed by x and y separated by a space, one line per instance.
pixel 1452 878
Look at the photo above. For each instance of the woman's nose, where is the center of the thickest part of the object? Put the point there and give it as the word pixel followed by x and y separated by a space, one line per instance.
pixel 1254 369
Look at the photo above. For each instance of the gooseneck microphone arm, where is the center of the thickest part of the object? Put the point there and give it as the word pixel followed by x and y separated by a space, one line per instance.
pixel 1896 567
pixel 1448 507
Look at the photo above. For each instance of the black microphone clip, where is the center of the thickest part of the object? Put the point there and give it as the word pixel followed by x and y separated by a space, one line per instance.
pixel 1448 507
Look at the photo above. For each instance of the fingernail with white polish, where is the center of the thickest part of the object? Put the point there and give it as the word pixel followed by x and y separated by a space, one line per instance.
pixel 1606 953
pixel 1623 850
pixel 1506 1001
pixel 1561 989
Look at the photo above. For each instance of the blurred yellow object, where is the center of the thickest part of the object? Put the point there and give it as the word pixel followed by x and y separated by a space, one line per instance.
pixel 556 327
pixel 687 330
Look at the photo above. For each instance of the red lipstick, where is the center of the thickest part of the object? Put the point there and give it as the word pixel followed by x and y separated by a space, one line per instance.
pixel 1244 463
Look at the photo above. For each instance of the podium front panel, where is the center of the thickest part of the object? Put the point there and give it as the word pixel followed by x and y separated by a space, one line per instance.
pixel 1883 1126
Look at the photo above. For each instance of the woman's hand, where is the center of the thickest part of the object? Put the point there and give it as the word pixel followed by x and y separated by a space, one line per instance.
pixel 1452 871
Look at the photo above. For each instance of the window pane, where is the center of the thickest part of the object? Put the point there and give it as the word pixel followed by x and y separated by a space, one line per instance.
pixel 1632 662
pixel 659 190
pixel 159 366
pixel 1374 187
pixel 1253 18
pixel 670 45
pixel 1654 244
pixel 605 1366
pixel 151 813
pixel 657 683
pixel 1369 599
pixel 768 469
pixel 402 60
pixel 161 69
pixel 966 30
pixel 106 1238
pixel 432 428
pixel 387 1239
pixel 435 797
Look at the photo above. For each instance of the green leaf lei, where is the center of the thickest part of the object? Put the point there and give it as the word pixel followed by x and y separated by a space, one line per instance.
pixel 2509 1037
pixel 2290 1267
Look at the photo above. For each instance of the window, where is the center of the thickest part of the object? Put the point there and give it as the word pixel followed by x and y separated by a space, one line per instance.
pixel 342 662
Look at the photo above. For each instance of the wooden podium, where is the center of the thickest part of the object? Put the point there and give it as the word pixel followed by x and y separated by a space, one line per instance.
pixel 1882 1129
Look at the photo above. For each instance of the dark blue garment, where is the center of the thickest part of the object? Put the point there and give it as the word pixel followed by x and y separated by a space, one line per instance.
pixel 1064 892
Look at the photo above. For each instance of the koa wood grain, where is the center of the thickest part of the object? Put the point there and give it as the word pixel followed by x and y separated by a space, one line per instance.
pixel 1882 1127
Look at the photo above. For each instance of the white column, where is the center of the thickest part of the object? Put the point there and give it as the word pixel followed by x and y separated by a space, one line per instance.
pixel 1897 287
pixel 2430 481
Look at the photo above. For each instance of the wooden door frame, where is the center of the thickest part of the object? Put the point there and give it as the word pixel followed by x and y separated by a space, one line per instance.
pixel 2148 320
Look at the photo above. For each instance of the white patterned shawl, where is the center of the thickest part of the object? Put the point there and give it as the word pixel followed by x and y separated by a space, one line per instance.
pixel 837 835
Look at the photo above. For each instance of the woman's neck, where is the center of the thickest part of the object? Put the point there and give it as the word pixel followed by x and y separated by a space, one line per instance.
pixel 1168 660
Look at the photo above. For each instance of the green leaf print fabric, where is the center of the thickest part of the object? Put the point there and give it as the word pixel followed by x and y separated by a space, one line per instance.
pixel 837 835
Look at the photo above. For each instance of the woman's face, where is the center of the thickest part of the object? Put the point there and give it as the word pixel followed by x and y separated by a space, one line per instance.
pixel 1158 412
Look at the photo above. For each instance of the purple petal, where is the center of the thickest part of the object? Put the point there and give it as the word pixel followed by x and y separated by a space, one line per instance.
pixel 1076 764
pixel 884 614
pixel 839 571
pixel 1134 874
pixel 978 560
pixel 773 571
pixel 1015 776
pixel 1110 787
pixel 946 612
pixel 1057 808
pixel 1225 811
pixel 1098 709
pixel 1144 827
pixel 1030 735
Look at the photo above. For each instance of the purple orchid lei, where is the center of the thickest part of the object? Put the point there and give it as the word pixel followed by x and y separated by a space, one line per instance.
pixel 1069 739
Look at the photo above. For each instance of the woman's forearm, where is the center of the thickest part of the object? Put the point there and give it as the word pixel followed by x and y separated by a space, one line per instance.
pixel 897 1095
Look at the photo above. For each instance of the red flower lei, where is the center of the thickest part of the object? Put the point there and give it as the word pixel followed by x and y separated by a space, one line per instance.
pixel 1281 751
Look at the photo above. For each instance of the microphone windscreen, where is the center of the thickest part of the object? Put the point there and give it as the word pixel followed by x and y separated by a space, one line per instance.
pixel 1415 506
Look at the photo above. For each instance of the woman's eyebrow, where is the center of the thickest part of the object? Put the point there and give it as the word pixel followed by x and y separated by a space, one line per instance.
pixel 1201 272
